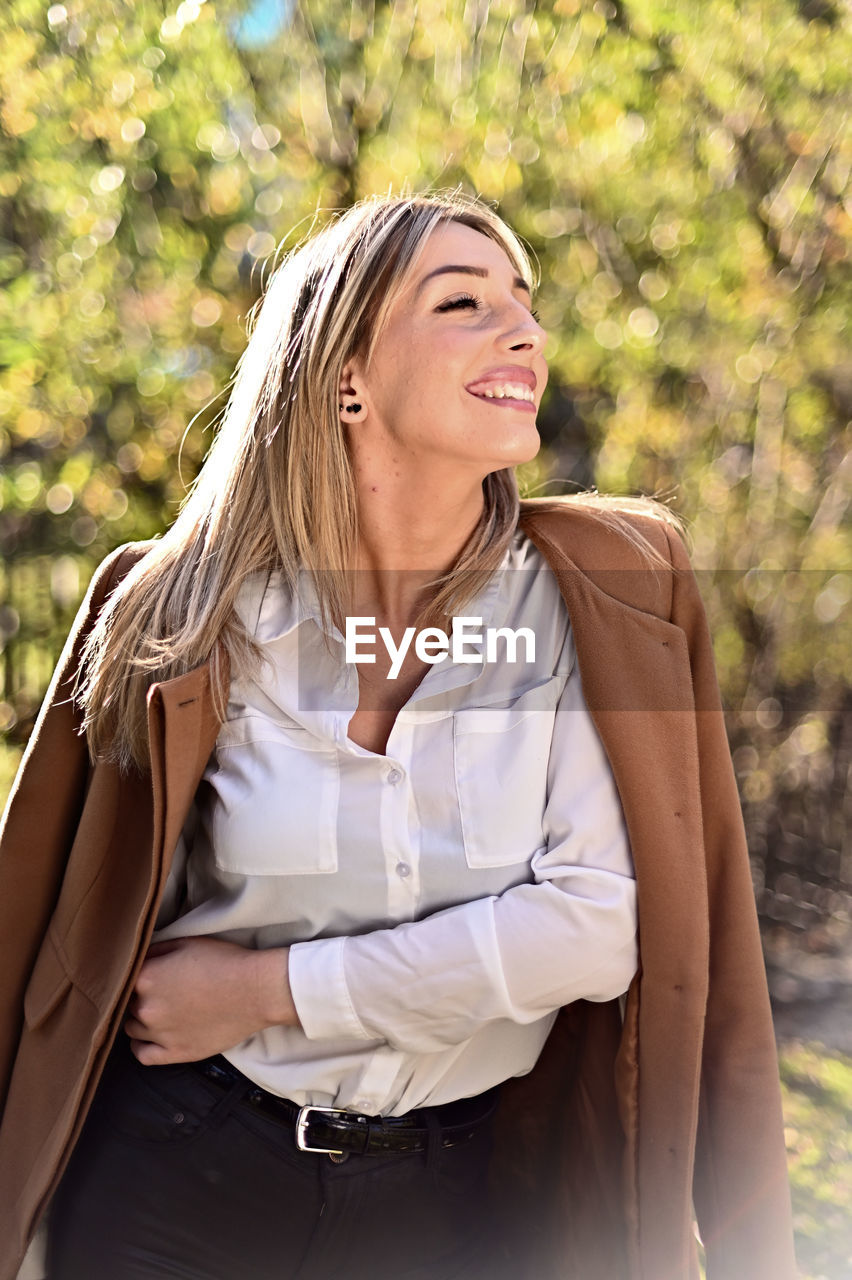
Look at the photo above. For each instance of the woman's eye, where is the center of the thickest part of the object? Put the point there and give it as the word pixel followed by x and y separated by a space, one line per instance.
pixel 456 304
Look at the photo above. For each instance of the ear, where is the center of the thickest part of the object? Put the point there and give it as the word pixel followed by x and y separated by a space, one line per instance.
pixel 351 394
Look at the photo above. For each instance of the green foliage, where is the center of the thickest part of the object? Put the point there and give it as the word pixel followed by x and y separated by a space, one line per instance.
pixel 817 1090
pixel 10 757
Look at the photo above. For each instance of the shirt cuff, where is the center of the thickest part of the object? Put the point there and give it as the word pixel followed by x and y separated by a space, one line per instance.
pixel 319 991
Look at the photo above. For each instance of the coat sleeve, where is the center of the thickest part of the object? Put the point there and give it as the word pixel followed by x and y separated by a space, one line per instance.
pixel 40 819
pixel 741 1188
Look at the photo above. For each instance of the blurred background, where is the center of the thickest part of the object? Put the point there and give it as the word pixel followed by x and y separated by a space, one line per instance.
pixel 681 173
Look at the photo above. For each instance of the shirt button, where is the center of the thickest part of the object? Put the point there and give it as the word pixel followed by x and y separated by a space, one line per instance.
pixel 394 776
pixel 403 869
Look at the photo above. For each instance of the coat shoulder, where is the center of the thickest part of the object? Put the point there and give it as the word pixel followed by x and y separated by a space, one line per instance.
pixel 110 572
pixel 114 566
pixel 604 532
pixel 630 548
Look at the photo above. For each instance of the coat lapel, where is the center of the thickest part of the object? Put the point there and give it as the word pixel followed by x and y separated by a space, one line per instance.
pixel 182 729
pixel 637 685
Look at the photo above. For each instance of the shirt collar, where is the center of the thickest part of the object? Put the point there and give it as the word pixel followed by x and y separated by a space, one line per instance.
pixel 270 610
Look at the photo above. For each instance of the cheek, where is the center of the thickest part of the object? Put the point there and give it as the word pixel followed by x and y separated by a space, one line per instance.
pixel 422 368
pixel 426 377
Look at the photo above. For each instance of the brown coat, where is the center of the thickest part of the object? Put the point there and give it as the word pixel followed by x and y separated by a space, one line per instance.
pixel 602 1147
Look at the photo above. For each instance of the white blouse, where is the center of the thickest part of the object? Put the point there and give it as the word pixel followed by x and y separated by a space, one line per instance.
pixel 441 901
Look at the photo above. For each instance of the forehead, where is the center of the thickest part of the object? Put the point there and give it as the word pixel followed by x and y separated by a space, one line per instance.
pixel 454 244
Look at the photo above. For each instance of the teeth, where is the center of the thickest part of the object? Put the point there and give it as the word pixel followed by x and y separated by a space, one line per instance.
pixel 508 391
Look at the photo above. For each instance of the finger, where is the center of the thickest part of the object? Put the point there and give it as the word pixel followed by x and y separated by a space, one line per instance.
pixel 143 981
pixel 137 1030
pixel 163 948
pixel 157 1055
pixel 145 1051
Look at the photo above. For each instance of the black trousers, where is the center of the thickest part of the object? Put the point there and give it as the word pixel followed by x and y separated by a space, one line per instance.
pixel 175 1177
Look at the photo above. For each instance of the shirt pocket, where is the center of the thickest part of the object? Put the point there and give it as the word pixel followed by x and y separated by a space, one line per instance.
pixel 275 797
pixel 501 756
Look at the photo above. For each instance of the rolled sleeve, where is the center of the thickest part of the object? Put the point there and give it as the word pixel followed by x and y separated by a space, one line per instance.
pixel 320 993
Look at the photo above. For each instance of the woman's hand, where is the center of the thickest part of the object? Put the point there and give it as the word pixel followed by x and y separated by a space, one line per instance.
pixel 195 997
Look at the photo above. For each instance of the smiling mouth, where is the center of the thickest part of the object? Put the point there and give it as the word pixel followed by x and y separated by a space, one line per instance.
pixel 507 391
pixel 507 395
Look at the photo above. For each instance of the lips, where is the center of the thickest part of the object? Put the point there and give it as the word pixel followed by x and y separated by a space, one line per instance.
pixel 513 376
pixel 511 385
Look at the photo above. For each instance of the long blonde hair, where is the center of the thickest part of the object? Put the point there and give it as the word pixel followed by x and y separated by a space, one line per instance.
pixel 276 491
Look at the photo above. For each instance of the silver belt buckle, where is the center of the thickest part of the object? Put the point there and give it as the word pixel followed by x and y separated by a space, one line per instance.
pixel 302 1121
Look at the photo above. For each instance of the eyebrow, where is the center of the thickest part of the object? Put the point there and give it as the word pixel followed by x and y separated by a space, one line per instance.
pixel 461 270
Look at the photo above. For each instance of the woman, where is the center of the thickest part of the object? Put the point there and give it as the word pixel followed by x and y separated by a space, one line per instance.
pixel 288 947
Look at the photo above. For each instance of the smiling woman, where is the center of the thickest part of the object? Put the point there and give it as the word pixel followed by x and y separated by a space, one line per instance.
pixel 313 968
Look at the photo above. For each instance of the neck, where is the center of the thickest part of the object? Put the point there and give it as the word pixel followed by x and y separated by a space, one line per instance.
pixel 403 543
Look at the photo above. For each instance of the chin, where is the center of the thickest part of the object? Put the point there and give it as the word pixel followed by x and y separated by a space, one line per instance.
pixel 522 446
pixel 523 449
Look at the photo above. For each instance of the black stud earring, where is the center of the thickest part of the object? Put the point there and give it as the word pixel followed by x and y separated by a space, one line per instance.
pixel 353 408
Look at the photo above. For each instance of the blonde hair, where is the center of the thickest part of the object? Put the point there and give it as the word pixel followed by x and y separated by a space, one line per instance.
pixel 276 491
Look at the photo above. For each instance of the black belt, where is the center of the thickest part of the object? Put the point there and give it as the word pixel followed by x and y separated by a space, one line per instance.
pixel 335 1132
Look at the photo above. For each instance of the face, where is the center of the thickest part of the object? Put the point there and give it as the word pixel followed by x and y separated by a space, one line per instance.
pixel 458 373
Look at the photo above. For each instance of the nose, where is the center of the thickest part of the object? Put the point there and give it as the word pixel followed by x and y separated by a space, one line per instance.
pixel 523 332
